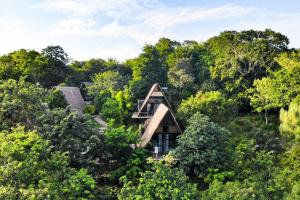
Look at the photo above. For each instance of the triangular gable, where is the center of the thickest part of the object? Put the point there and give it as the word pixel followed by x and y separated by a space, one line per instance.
pixel 155 88
pixel 157 118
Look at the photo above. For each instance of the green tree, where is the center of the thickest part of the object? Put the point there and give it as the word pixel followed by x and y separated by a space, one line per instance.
pixel 181 82
pixel 289 119
pixel 213 104
pixel 145 70
pixel 287 176
pixel 242 57
pixel 194 58
pixel 76 134
pixel 56 99
pixel 23 62
pixel 165 47
pixel 57 68
pixel 83 71
pixel 111 110
pixel 118 145
pixel 264 96
pixel 253 127
pixel 115 106
pixel 202 146
pixel 47 68
pixel 20 103
pixel 249 161
pixel 30 170
pixel 109 80
pixel 280 88
pixel 163 182
pixel 244 190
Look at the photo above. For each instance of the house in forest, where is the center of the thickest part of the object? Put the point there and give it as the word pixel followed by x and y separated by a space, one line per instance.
pixel 157 123
pixel 77 101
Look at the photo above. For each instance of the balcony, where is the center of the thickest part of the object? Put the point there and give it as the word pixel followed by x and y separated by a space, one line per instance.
pixel 142 115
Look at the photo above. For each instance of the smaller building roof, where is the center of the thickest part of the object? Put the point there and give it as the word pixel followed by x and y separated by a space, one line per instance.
pixel 73 97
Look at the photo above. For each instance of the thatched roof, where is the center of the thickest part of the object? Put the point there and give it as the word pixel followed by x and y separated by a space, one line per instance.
pixel 154 91
pixel 73 98
pixel 157 118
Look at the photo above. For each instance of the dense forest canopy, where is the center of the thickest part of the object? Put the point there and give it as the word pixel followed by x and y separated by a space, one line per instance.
pixel 236 97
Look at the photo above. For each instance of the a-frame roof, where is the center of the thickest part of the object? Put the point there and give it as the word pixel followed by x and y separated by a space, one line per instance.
pixel 157 118
pixel 155 88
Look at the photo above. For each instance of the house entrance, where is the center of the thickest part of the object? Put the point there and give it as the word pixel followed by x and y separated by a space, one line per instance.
pixel 163 143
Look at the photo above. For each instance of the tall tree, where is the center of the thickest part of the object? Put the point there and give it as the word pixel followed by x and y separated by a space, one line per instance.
pixel 31 170
pixel 281 87
pixel 202 146
pixel 23 62
pixel 78 135
pixel 145 70
pixel 57 69
pixel 20 103
pixel 242 57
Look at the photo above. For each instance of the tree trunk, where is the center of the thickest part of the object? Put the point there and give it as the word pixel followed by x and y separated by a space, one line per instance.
pixel 266 117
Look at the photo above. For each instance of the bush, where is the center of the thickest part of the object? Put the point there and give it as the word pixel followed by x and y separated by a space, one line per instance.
pixel 162 183
pixel 56 99
pixel 90 109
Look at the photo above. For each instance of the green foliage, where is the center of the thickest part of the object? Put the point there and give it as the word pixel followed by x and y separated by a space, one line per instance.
pixel 188 67
pixel 109 80
pixel 253 176
pixel 136 164
pixel 165 47
pixel 118 145
pixel 288 175
pixel 81 71
pixel 47 68
pixel 202 146
pixel 295 193
pixel 242 57
pixel 181 81
pixel 253 127
pixel 57 69
pixel 89 109
pixel 117 107
pixel 30 170
pixel 56 99
pixel 163 182
pixel 264 95
pixel 279 89
pixel 76 134
pixel 111 110
pixel 145 70
pixel 111 97
pixel 213 104
pixel 192 57
pixel 23 63
pixel 290 121
pixel 248 159
pixel 233 190
pixel 20 103
pixel 286 79
pixel 252 162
